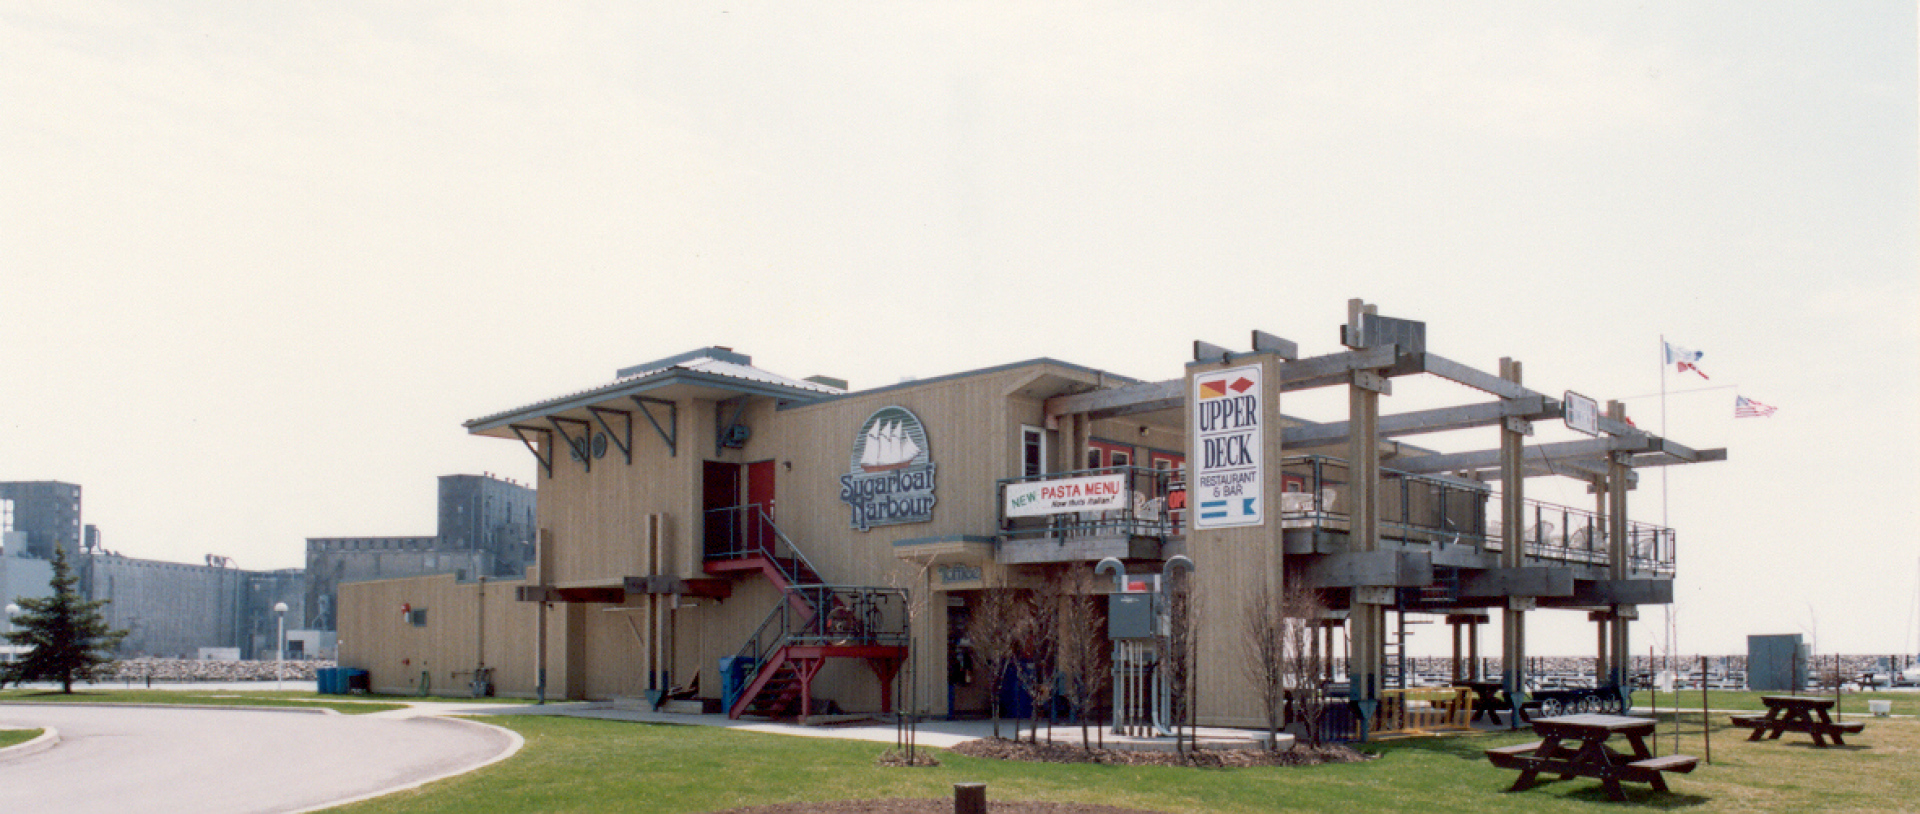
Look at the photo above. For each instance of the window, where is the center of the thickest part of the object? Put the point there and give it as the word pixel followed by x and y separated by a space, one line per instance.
pixel 417 617
pixel 1033 452
pixel 1121 459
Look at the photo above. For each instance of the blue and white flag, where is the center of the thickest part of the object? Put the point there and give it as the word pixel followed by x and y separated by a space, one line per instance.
pixel 1684 357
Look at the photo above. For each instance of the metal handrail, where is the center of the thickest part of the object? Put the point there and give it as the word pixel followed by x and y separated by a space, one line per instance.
pixel 857 615
pixel 760 536
pixel 1319 497
pixel 1554 532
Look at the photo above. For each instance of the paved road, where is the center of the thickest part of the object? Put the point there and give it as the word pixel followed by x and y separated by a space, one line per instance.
pixel 123 759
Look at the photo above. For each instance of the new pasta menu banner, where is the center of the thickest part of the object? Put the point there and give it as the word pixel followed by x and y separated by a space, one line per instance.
pixel 1097 493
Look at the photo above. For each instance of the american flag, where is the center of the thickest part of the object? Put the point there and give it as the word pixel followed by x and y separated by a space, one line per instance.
pixel 1744 407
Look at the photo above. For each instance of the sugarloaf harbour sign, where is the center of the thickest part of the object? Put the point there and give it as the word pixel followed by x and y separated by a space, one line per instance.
pixel 890 478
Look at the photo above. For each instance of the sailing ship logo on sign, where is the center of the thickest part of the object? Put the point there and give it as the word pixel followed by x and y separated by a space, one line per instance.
pixel 890 477
pixel 886 447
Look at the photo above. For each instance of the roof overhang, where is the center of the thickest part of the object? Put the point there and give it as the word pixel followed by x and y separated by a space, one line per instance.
pixel 712 375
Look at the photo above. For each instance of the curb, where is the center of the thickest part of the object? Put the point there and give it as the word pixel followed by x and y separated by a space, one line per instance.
pixel 514 743
pixel 49 738
pixel 314 710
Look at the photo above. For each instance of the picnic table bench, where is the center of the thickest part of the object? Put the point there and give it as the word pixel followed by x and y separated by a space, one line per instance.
pixel 1798 713
pixel 1487 702
pixel 1576 746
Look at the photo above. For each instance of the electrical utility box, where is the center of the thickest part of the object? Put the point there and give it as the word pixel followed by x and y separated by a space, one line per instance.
pixel 1776 663
pixel 1131 615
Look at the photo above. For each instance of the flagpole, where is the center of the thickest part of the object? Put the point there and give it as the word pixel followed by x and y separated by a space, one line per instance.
pixel 1667 609
pixel 1664 361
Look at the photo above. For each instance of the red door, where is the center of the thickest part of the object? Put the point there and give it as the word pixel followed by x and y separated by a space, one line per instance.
pixel 719 494
pixel 760 503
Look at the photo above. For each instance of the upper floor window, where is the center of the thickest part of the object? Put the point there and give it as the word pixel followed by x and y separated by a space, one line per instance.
pixel 1033 452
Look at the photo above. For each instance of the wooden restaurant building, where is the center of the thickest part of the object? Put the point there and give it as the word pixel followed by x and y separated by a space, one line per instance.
pixel 784 547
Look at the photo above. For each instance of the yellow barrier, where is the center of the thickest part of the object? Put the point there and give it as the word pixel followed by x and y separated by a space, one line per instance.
pixel 1423 710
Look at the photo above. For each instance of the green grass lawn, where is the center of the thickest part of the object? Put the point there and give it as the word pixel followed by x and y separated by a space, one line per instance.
pixel 579 765
pixel 247 698
pixel 10 737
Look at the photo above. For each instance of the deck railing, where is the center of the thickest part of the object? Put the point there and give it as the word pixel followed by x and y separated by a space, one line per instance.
pixel 1449 511
pixel 1422 710
pixel 829 615
pixel 739 532
pixel 1411 506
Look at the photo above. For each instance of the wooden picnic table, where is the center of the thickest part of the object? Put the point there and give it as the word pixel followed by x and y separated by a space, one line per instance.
pixel 1576 746
pixel 1798 713
pixel 1487 701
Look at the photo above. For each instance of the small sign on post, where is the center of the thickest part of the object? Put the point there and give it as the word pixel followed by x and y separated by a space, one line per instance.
pixel 1583 414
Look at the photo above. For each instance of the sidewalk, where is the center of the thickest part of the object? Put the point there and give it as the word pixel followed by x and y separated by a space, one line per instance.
pixel 938 733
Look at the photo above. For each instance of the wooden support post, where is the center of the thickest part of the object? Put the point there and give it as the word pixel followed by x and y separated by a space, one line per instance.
pixel 1603 658
pixel 1618 474
pixel 1082 440
pixel 543 568
pixel 1473 653
pixel 1513 658
pixel 1367 656
pixel 969 798
pixel 1458 674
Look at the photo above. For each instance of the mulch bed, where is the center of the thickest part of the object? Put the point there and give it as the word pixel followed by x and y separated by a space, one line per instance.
pixel 1003 749
pixel 902 806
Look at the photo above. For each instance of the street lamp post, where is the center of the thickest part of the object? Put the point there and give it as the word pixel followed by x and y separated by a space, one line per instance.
pixel 12 611
pixel 280 645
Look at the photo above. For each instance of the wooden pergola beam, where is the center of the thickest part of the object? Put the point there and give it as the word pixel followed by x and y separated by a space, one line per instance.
pixel 1442 419
pixel 1319 371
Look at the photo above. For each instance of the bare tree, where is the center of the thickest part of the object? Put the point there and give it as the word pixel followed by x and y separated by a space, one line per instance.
pixel 1040 616
pixel 917 590
pixel 1303 664
pixel 1082 648
pixel 994 631
pixel 1279 656
pixel 1180 651
pixel 1262 648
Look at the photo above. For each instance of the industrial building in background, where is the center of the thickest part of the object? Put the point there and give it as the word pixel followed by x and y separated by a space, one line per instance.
pixel 48 513
pixel 169 610
pixel 772 545
pixel 216 610
pixel 486 528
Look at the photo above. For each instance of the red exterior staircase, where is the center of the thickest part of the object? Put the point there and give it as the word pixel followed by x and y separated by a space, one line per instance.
pixel 818 622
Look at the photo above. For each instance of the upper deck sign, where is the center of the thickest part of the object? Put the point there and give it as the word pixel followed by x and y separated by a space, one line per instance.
pixel 1227 466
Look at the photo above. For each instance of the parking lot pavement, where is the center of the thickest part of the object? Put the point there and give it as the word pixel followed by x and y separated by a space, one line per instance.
pixel 123 758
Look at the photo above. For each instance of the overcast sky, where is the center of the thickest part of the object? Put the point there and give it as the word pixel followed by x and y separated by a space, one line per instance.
pixel 259 260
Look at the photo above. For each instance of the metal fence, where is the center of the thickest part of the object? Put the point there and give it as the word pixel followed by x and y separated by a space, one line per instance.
pixel 1441 510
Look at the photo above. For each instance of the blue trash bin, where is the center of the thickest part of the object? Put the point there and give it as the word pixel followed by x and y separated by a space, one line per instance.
pixel 734 671
pixel 327 681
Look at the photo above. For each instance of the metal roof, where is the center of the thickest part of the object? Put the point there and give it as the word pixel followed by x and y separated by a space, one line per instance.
pixel 718 371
